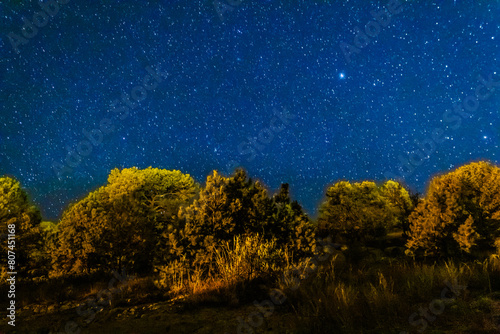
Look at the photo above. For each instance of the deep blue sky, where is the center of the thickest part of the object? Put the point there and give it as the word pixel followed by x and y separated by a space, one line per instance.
pixel 227 79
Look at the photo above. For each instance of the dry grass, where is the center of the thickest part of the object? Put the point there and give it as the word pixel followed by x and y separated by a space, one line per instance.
pixel 242 266
pixel 381 296
pixel 373 295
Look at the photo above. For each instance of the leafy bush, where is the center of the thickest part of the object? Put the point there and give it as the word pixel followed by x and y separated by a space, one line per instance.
pixel 120 225
pixel 354 212
pixel 236 206
pixel 460 215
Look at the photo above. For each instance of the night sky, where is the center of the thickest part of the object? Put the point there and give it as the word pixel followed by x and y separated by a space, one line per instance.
pixel 304 92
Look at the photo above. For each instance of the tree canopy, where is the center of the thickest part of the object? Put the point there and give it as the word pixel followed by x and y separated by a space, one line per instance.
pixel 17 210
pixel 232 206
pixel 460 213
pixel 354 211
pixel 143 219
pixel 120 224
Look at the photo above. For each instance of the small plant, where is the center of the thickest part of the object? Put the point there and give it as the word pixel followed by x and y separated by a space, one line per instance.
pixel 236 263
pixel 248 258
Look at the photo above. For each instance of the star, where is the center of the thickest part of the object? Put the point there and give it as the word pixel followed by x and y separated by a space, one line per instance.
pixel 208 106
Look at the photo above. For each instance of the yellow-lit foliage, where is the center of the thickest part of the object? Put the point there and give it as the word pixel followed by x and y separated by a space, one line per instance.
pixel 246 258
pixel 354 211
pixel 234 206
pixel 16 209
pixel 236 263
pixel 121 224
pixel 460 213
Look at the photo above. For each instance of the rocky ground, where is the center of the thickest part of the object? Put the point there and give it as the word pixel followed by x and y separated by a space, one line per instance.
pixel 160 317
pixel 170 317
pixel 175 317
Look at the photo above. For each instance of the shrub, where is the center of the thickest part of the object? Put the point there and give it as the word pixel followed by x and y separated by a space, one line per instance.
pixel 120 225
pixel 237 264
pixel 236 206
pixel 354 212
pixel 460 215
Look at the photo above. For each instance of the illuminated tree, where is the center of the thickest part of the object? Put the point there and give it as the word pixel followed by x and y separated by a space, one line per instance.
pixel 233 206
pixel 225 208
pixel 16 210
pixel 121 224
pixel 353 212
pixel 459 215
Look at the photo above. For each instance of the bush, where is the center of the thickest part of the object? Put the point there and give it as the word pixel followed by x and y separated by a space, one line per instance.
pixel 355 212
pixel 459 216
pixel 236 265
pixel 236 206
pixel 121 224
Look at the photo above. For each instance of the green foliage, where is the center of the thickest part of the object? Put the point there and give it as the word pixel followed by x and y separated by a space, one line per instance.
pixel 459 215
pixel 236 263
pixel 120 225
pixel 354 212
pixel 16 209
pixel 291 225
pixel 234 206
pixel 379 298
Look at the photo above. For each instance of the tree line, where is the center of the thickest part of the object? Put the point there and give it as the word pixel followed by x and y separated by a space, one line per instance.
pixel 145 219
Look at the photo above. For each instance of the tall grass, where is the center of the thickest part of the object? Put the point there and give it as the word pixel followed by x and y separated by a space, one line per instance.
pixel 372 295
pixel 248 258
pixel 238 266
pixel 380 296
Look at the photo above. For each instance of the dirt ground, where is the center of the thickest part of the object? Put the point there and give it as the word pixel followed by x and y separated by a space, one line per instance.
pixel 161 317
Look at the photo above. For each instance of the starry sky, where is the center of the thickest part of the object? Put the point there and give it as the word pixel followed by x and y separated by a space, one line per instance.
pixel 304 92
